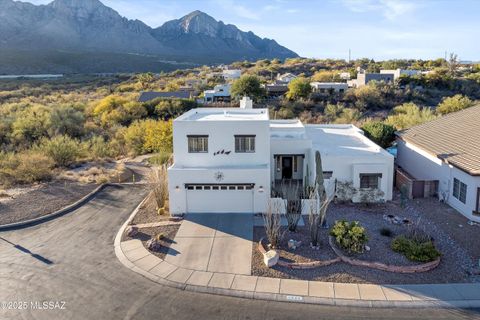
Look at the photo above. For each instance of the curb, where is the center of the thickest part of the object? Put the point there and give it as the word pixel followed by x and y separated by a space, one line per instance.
pixel 71 207
pixel 167 279
pixel 50 216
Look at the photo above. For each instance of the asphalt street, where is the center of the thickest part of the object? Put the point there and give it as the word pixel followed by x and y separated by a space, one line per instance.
pixel 67 269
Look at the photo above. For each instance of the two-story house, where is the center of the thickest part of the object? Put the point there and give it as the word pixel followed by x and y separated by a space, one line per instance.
pixel 230 159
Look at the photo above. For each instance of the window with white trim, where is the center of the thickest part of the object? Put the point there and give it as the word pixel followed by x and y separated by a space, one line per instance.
pixel 197 144
pixel 459 190
pixel 244 143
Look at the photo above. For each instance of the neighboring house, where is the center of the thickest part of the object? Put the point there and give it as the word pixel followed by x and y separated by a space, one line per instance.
pixel 364 78
pixel 446 150
pixel 276 89
pixel 230 159
pixel 220 93
pixel 397 73
pixel 286 77
pixel 329 87
pixel 231 74
pixel 345 75
pixel 150 95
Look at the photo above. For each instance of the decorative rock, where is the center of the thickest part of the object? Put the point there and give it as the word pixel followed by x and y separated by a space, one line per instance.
pixel 367 248
pixel 131 231
pixel 270 258
pixel 153 245
pixel 292 244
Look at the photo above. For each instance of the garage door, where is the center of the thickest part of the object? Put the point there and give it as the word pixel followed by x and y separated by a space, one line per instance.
pixel 213 198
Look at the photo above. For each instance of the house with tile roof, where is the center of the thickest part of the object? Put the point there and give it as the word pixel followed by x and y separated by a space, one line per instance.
pixel 446 150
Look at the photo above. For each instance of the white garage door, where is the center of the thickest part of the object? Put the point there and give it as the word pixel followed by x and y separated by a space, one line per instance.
pixel 208 198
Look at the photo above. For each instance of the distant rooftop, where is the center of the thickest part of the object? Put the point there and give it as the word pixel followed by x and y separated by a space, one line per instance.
pixel 225 114
pixel 454 138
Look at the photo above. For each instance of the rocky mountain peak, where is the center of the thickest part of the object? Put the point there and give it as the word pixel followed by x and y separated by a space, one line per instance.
pixel 199 22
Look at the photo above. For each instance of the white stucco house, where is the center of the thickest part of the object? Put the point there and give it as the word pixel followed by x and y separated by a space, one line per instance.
pixel 446 150
pixel 397 73
pixel 229 159
pixel 231 74
pixel 329 87
pixel 286 77
pixel 221 92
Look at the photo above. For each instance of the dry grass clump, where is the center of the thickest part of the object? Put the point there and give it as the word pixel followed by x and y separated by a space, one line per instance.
pixel 99 174
pixel 159 182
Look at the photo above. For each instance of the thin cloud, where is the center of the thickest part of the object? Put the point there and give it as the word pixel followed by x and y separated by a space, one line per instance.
pixel 390 9
pixel 238 9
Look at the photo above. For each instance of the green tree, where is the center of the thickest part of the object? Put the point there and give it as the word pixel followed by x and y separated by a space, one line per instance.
pixel 299 88
pixel 453 104
pixel 326 76
pixel 118 110
pixel 247 85
pixel 408 115
pixel 380 133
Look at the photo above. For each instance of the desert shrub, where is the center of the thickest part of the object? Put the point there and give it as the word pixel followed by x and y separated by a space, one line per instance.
pixel 453 104
pixel 247 85
pixel 386 232
pixel 380 133
pixel 350 236
pixel 299 88
pixel 408 115
pixel 160 158
pixel 159 182
pixel 414 250
pixel 62 149
pixel 271 221
pixel 25 167
pixel 98 148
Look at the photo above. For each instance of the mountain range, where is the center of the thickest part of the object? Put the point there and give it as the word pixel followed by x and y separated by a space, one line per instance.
pixel 81 36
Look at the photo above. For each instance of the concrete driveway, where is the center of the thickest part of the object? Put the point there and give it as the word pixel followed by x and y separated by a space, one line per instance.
pixel 214 242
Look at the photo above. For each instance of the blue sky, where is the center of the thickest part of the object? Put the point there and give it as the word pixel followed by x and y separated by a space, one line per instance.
pixel 379 29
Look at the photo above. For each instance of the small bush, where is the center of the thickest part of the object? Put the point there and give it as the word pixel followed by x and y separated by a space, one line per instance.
pixel 159 236
pixel 62 149
pixel 386 232
pixel 415 251
pixel 160 159
pixel 26 167
pixel 350 236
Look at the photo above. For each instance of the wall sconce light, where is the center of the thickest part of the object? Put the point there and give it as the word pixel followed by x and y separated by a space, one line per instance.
pixel 260 189
pixel 177 188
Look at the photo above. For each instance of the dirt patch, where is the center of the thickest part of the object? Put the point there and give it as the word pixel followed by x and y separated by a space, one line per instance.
pixel 41 200
pixel 148 213
pixel 146 234
pixel 456 264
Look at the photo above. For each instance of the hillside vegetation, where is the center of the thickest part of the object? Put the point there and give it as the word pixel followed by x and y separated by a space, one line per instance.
pixel 51 125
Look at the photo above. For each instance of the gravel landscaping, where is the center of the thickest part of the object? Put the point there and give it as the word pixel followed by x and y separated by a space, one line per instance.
pixel 146 234
pixel 40 200
pixel 438 220
pixel 147 213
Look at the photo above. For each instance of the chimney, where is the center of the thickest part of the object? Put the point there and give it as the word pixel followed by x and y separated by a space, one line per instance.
pixel 246 103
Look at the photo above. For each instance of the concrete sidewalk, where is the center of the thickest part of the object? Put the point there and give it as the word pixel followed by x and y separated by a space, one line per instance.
pixel 133 255
pixel 214 242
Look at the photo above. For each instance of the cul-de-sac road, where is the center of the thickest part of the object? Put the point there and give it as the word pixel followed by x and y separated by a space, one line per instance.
pixel 72 259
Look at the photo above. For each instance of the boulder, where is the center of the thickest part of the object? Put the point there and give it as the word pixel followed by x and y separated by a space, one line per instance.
pixel 270 258
pixel 131 231
pixel 292 244
pixel 153 245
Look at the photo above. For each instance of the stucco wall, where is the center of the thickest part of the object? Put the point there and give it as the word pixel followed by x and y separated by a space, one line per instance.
pixel 424 166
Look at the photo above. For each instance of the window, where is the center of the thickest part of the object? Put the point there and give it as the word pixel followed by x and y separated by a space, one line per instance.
pixel 459 190
pixel 197 144
pixel 369 180
pixel 245 144
pixel 327 174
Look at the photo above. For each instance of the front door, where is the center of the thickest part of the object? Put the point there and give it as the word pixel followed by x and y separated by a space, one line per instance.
pixel 287 167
